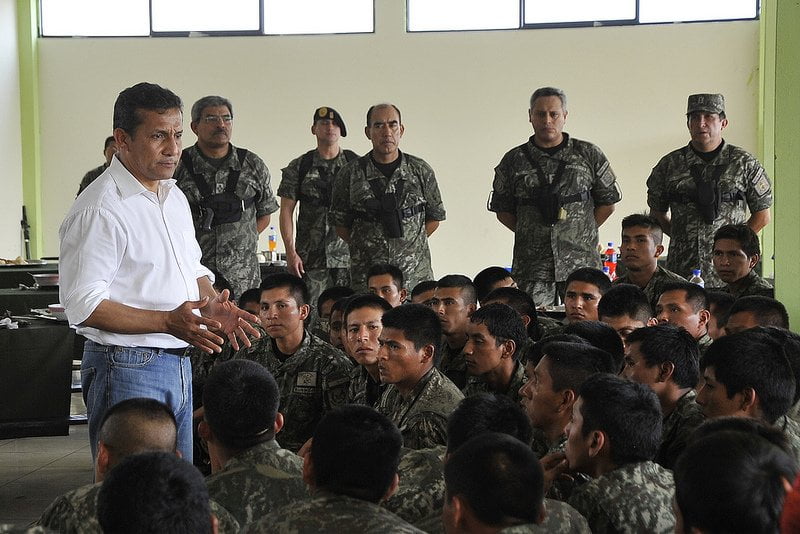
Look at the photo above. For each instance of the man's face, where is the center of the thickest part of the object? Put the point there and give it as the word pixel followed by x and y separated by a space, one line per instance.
pixel 425 298
pixel 639 251
pixel 363 330
pixel 385 287
pixel 214 127
pixel 673 308
pixel 636 368
pixel 109 151
pixel 577 451
pixel 713 397
pixel 730 261
pixel 706 129
pixel 336 327
pixel 326 131
pixel 280 315
pixel 623 324
pixel 385 132
pixel 448 303
pixel 481 351
pixel 581 301
pixel 741 321
pixel 398 361
pixel 538 398
pixel 151 154
pixel 547 117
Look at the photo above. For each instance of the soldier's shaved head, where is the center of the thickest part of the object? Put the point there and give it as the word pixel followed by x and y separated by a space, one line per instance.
pixel 137 425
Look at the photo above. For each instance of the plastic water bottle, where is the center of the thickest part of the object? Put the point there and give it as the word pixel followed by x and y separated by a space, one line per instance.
pixel 607 272
pixel 696 279
pixel 611 261
pixel 272 241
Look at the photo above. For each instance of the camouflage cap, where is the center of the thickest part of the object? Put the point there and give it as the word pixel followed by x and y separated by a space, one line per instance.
pixel 708 102
pixel 329 113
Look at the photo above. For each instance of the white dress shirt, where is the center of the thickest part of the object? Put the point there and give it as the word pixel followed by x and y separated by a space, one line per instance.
pixel 127 244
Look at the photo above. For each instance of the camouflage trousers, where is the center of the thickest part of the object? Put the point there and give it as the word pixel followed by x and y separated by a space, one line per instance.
pixel 543 293
pixel 318 280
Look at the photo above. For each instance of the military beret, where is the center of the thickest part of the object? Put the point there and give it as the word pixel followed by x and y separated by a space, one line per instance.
pixel 330 113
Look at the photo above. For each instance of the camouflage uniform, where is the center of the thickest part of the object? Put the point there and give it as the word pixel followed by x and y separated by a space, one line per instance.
pixel 6 528
pixel 678 428
pixel 671 187
pixel 655 286
pixel 422 416
pixel 752 284
pixel 547 326
pixel 560 518
pixel 704 342
pixel 453 365
pixel 230 248
pixel 75 512
pixel 791 429
pixel 634 498
pixel 91 176
pixel 477 384
pixel 420 494
pixel 257 481
pixel 363 388
pixel 541 448
pixel 544 255
pixel 329 512
pixel 326 259
pixel 420 200
pixel 312 381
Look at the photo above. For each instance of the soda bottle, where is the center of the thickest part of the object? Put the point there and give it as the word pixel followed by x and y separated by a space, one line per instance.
pixel 696 279
pixel 272 242
pixel 611 261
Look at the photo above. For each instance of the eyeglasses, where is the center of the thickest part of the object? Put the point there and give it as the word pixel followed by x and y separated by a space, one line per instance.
pixel 212 119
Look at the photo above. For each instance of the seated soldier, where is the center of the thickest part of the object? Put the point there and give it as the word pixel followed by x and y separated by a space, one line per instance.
pixel 454 301
pixel 251 301
pixel 350 468
pixel 155 492
pixel 325 303
pixel 625 308
pixel 130 427
pixel 251 473
pixel 496 332
pixel 538 325
pixel 685 304
pixel 386 281
pixel 602 336
pixel 585 287
pixel 719 305
pixel 312 376
pixel 423 292
pixel 752 311
pixel 665 358
pixel 735 255
pixel 490 279
pixel 419 397
pixel 362 319
pixel 336 332
pixel 613 437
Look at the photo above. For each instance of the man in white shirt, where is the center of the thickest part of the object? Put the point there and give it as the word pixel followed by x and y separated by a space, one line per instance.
pixel 131 278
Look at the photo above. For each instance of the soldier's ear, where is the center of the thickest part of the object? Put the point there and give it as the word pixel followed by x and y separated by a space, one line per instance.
pixel 279 420
pixel 304 311
pixel 704 316
pixel 427 353
pixel 754 260
pixel 403 294
pixel 659 250
pixel 597 441
pixel 392 488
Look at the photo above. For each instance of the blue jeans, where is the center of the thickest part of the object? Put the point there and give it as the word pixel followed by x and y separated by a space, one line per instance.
pixel 110 374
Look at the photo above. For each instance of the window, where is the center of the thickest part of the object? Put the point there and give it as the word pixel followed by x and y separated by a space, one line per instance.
pixel 205 16
pixel 318 16
pixel 439 15
pixel 565 11
pixel 695 10
pixel 101 18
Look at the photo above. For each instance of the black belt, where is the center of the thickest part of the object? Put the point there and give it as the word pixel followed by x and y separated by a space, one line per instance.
pixel 175 352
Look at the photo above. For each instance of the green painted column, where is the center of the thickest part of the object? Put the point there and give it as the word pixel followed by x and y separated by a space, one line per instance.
pixel 780 140
pixel 27 31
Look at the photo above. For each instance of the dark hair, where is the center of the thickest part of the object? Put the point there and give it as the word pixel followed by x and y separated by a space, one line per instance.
pixel 753 359
pixel 142 97
pixel 209 102
pixel 645 221
pixel 747 238
pixel 590 275
pixel 625 300
pixel 110 139
pixel 731 481
pixel 696 296
pixel 748 425
pixel 383 105
pixel 486 412
pixel 462 282
pixel 251 295
pixel 422 287
pixel 669 343
pixel 333 293
pixel 387 268
pixel 502 322
pixel 355 452
pixel 719 305
pixel 419 324
pixel 602 336
pixel 341 304
pixel 533 353
pixel 790 344
pixel 154 492
pixel 296 286
pixel 241 402
pixel 137 425
pixel 517 299
pixel 485 279
pixel 499 477
pixel 366 300
pixel 629 414
pixel 572 363
pixel 549 91
pixel 767 311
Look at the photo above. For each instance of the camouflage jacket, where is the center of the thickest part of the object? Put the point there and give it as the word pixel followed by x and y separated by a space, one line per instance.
pixel 704 342
pixel 551 253
pixel 422 416
pixel 328 512
pixel 230 248
pixel 633 498
pixel 352 196
pixel 453 365
pixel 7 528
pixel 257 481
pixel 363 388
pixel 752 284
pixel 678 428
pixel 791 429
pixel 421 490
pixel 312 381
pixel 91 176
pixel 476 384
pixel 316 240
pixel 75 512
pixel 541 447
pixel 655 285
pixel 743 184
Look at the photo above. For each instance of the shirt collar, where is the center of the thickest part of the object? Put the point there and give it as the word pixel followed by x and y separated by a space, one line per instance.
pixel 129 186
